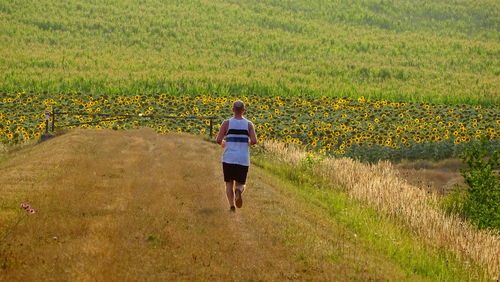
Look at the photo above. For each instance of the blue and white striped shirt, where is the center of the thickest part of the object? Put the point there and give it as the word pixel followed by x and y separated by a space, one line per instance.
pixel 237 150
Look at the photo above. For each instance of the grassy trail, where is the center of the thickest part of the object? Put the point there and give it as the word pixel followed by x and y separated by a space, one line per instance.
pixel 137 206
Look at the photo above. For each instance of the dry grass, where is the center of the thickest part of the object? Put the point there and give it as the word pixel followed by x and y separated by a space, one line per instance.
pixel 435 176
pixel 138 206
pixel 381 186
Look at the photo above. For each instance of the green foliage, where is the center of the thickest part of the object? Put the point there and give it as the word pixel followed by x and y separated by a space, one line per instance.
pixel 368 130
pixel 434 51
pixel 414 151
pixel 310 160
pixel 453 203
pixel 482 199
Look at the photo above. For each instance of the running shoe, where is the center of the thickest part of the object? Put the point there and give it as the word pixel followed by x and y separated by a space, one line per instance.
pixel 238 199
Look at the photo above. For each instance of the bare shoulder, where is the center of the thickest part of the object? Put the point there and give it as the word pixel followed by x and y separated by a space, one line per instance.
pixel 251 128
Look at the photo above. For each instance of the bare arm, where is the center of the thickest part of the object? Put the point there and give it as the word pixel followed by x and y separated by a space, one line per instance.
pixel 222 132
pixel 252 134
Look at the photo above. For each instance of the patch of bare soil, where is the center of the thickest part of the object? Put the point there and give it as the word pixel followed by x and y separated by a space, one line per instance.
pixel 434 176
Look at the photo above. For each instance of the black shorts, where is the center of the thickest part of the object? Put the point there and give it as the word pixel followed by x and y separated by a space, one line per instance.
pixel 235 172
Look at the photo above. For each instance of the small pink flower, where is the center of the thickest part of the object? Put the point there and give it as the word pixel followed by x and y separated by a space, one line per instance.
pixel 32 211
pixel 22 205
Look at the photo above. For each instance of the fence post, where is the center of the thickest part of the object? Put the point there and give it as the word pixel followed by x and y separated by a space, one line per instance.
pixel 47 117
pixel 46 135
pixel 53 118
pixel 211 125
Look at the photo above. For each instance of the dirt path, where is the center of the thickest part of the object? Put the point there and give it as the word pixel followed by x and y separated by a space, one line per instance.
pixel 137 206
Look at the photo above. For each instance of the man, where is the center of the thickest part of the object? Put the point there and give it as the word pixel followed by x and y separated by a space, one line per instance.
pixel 236 157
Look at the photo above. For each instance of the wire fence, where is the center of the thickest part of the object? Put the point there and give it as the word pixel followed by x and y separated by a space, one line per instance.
pixel 51 117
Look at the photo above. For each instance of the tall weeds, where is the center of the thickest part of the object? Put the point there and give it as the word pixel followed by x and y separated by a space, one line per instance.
pixel 380 186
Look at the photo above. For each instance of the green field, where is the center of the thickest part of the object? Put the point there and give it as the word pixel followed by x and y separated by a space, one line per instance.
pixel 433 51
pixel 329 80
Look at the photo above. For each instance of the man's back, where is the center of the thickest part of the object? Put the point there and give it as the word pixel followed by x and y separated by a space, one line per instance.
pixel 236 149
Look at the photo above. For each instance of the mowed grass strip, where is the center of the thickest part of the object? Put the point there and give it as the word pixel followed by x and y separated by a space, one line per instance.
pixel 134 205
pixel 115 207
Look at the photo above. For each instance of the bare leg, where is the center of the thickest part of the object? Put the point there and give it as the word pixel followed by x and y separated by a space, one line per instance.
pixel 230 193
pixel 239 188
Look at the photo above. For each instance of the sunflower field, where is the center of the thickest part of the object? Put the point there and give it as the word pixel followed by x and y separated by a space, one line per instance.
pixel 359 128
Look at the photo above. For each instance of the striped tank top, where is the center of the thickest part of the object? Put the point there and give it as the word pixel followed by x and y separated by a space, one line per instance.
pixel 236 150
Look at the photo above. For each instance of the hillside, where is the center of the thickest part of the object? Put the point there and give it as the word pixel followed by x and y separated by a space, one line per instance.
pixel 434 51
pixel 135 205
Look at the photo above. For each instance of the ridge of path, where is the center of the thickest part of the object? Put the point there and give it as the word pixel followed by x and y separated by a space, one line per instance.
pixel 134 205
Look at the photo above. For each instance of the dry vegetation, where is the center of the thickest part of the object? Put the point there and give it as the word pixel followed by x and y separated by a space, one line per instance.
pixel 135 205
pixel 381 186
pixel 434 176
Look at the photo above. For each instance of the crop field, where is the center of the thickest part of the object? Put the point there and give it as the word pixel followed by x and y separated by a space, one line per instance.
pixel 333 88
pixel 330 125
pixel 401 50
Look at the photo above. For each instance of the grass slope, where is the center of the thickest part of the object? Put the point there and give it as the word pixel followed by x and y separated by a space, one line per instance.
pixel 437 51
pixel 137 206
